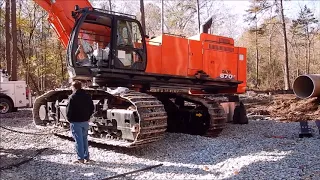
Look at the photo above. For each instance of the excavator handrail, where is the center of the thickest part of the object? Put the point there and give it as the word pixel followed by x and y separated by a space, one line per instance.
pixel 114 12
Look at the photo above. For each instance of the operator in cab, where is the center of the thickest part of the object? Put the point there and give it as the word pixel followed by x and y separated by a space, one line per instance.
pixel 79 110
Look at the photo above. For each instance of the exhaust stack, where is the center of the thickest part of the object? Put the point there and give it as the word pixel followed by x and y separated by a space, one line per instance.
pixel 307 86
pixel 204 28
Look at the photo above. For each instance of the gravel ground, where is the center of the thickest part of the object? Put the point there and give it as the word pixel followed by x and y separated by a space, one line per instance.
pixel 263 149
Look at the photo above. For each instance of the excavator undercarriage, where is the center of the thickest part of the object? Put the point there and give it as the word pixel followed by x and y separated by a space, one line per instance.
pixel 131 118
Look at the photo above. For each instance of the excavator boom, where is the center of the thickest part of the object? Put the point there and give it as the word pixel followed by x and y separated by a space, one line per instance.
pixel 60 15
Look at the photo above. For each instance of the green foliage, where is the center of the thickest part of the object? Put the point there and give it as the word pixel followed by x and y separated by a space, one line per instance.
pixel 305 30
pixel 152 19
pixel 256 9
pixel 271 56
pixel 305 24
pixel 40 54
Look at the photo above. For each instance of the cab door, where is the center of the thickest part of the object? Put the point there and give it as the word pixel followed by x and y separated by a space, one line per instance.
pixel 129 45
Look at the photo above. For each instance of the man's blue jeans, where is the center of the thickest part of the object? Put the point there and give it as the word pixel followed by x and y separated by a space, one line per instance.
pixel 80 134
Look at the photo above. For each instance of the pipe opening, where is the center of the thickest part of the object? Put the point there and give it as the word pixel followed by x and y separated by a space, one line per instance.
pixel 303 87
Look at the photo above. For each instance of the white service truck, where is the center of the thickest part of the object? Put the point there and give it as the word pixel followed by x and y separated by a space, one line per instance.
pixel 13 94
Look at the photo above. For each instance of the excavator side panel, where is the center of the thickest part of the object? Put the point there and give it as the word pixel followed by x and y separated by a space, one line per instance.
pixel 195 57
pixel 208 62
pixel 242 69
pixel 154 56
pixel 220 61
pixel 174 55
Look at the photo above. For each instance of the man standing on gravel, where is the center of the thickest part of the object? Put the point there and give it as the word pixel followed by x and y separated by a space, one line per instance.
pixel 79 110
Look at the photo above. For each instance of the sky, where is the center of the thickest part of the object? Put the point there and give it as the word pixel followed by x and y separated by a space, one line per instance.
pixel 238 7
pixel 291 8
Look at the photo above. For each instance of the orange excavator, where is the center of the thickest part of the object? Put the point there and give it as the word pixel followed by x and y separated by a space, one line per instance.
pixel 141 86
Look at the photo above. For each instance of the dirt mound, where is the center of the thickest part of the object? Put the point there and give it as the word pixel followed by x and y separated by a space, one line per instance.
pixel 286 107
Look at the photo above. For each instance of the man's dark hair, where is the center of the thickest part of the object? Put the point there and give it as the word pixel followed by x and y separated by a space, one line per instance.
pixel 76 84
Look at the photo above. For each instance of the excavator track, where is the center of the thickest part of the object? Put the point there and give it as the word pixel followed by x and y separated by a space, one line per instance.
pixel 151 113
pixel 215 110
pixel 216 116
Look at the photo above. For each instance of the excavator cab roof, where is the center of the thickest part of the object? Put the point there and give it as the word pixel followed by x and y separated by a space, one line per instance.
pixel 107 12
pixel 102 39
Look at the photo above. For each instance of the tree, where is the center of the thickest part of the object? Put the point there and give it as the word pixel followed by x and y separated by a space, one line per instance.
pixel 8 36
pixel 110 5
pixel 162 15
pixel 198 15
pixel 304 27
pixel 270 29
pixel 286 61
pixel 180 16
pixel 14 75
pixel 39 64
pixel 107 6
pixel 2 27
pixel 143 21
pixel 272 53
pixel 153 19
pixel 256 8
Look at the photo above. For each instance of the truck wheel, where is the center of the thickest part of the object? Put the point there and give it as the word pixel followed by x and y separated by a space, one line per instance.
pixel 5 106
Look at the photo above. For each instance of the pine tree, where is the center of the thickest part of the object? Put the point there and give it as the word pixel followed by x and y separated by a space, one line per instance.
pixel 256 8
pixel 303 27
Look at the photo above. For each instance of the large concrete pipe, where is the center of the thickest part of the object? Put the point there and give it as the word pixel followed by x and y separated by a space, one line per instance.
pixel 307 86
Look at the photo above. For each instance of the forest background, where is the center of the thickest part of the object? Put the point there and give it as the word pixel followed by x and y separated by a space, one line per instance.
pixel 282 37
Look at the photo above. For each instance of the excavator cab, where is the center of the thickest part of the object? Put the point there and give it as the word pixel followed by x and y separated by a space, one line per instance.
pixel 108 40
